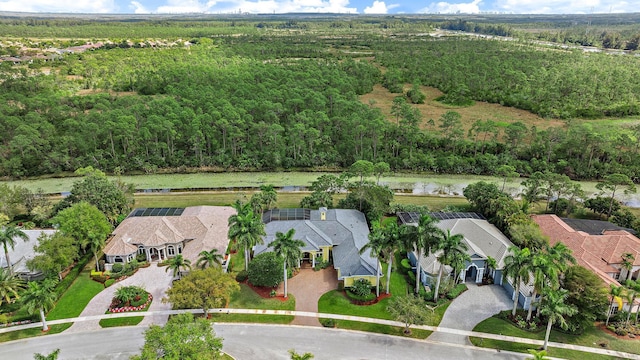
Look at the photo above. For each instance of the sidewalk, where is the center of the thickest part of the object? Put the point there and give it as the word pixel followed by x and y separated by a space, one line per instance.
pixel 536 343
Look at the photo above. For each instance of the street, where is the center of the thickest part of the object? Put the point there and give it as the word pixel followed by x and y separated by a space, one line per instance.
pixel 252 342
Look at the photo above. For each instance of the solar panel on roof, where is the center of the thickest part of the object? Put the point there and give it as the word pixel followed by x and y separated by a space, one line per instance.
pixel 156 212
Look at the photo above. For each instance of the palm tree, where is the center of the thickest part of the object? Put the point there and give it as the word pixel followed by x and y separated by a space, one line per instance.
pixel 269 196
pixel 8 234
pixel 516 266
pixel 561 257
pixel 543 269
pixel 52 356
pixel 95 243
pixel 289 248
pixel 246 229
pixel 538 355
pixel 376 244
pixel 178 263
pixel 633 287
pixel 9 286
pixel 39 297
pixel 491 265
pixel 296 356
pixel 421 238
pixel 393 236
pixel 555 309
pixel 209 258
pixel 458 261
pixel 627 264
pixel 615 292
pixel 452 248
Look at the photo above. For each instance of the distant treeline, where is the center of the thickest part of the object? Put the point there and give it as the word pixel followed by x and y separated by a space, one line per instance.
pixel 291 101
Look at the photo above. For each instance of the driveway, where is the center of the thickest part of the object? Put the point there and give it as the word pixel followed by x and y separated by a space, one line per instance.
pixel 469 309
pixel 307 287
pixel 154 279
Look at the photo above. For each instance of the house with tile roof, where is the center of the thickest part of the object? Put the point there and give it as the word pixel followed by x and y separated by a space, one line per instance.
pixel 483 240
pixel 23 252
pixel 159 234
pixel 335 235
pixel 597 245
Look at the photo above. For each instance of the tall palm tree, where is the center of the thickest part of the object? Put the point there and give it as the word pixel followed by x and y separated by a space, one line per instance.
pixel 40 297
pixel 178 263
pixel 209 258
pixel 10 285
pixel 615 292
pixel 8 236
pixel 246 228
pixel 452 249
pixel 633 287
pixel 422 238
pixel 289 248
pixel 516 266
pixel 561 258
pixel 544 271
pixel 376 245
pixel 269 196
pixel 393 242
pixel 555 309
pixel 458 260
pixel 491 265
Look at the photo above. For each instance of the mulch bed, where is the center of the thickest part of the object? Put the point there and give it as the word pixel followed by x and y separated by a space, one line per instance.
pixel 265 292
pixel 603 327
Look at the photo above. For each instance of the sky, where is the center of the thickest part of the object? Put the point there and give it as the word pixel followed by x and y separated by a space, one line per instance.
pixel 322 6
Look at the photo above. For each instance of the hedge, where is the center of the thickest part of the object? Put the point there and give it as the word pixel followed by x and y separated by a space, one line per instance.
pixel 456 291
pixel 71 276
pixel 360 299
pixel 405 266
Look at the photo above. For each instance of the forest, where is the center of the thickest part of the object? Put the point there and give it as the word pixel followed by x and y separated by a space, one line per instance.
pixel 269 93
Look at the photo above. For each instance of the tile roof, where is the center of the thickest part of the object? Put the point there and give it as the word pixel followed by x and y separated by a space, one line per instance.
pixel 483 240
pixel 344 229
pixel 201 227
pixel 595 252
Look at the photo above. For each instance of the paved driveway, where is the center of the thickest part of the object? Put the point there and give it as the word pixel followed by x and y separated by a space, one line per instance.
pixel 469 309
pixel 307 287
pixel 154 279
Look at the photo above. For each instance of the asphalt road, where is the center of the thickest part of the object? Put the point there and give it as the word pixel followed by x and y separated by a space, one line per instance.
pixel 252 342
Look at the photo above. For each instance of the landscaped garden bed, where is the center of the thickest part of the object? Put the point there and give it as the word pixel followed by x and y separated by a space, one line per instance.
pixel 130 298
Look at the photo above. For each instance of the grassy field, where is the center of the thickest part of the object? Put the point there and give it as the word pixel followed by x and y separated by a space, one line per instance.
pixel 432 109
pixel 591 337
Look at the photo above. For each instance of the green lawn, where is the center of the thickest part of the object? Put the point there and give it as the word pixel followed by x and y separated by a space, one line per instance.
pixel 74 300
pixel 124 321
pixel 22 334
pixel 591 337
pixel 381 329
pixel 335 302
pixel 246 298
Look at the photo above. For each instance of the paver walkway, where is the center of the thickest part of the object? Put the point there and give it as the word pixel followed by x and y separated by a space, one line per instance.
pixel 307 287
pixel 154 279
pixel 469 309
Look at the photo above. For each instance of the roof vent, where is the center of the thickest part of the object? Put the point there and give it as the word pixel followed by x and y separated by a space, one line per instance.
pixel 323 213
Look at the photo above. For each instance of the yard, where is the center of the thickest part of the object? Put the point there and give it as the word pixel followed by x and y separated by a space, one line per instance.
pixel 591 337
pixel 70 305
pixel 246 298
pixel 335 302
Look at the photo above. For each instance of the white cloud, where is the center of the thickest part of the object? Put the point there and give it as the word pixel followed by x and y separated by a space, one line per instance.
pixel 248 6
pixel 564 6
pixel 74 6
pixel 138 8
pixel 450 8
pixel 378 7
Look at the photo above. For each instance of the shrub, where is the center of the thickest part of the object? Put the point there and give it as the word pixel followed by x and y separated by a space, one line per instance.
pixel 405 266
pixel 358 298
pixel 456 291
pixel 266 270
pixel 101 265
pixel 242 276
pixel 141 257
pixel 328 323
pixel 411 278
pixel 117 268
pixel 361 287
pixel 100 278
pixel 321 264
pixel 109 282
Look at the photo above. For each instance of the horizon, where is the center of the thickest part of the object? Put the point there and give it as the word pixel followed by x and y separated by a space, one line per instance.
pixel 327 7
